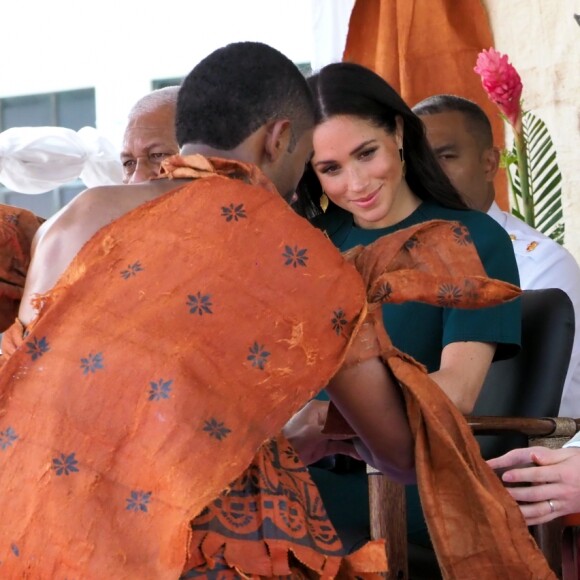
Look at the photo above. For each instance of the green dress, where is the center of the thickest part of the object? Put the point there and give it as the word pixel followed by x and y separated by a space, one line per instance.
pixel 422 331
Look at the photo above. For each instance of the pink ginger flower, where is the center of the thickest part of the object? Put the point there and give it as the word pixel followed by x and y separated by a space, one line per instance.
pixel 501 82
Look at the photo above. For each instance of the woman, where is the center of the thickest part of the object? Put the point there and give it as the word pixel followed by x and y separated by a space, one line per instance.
pixel 553 475
pixel 372 174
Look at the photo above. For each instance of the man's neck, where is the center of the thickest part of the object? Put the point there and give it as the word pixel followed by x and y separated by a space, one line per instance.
pixel 236 154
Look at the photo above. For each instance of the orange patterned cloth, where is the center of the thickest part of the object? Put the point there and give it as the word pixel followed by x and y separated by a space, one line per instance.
pixel 476 527
pixel 147 391
pixel 17 228
pixel 181 338
pixel 269 522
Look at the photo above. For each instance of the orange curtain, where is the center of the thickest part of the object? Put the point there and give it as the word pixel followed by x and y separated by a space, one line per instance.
pixel 425 47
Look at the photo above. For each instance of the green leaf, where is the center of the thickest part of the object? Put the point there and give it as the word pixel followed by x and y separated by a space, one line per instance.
pixel 507 158
pixel 544 176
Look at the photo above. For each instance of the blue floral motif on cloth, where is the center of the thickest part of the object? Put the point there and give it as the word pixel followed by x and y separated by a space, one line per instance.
pixel 7 438
pixel 216 429
pixel 160 390
pixel 92 363
pixel 138 501
pixel 462 235
pixel 258 356
pixel 338 321
pixel 383 293
pixel 65 464
pixel 295 257
pixel 199 303
pixel 449 295
pixel 234 212
pixel 132 270
pixel 37 347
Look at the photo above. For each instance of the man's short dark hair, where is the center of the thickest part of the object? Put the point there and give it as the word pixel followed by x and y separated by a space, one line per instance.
pixel 477 122
pixel 237 89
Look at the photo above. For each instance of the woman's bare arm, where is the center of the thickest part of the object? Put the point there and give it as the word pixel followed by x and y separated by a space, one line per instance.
pixel 464 366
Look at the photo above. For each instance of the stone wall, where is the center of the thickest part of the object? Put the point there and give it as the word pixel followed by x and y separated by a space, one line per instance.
pixel 542 40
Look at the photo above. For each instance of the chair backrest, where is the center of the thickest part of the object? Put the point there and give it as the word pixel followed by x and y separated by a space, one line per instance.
pixel 531 383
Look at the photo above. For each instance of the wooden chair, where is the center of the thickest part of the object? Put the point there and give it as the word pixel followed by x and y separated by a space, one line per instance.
pixel 528 386
pixel 571 547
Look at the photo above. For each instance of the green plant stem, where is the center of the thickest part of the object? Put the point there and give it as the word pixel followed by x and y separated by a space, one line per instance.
pixel 515 199
pixel 523 174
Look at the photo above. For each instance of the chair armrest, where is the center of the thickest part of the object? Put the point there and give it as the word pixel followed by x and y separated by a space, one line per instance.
pixel 562 427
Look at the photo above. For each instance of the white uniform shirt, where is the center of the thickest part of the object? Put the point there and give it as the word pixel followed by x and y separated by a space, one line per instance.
pixel 574 442
pixel 543 263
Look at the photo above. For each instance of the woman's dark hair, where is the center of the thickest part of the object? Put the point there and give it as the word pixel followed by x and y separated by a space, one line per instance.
pixel 351 89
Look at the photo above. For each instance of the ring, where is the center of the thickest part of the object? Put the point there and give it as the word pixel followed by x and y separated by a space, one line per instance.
pixel 551 504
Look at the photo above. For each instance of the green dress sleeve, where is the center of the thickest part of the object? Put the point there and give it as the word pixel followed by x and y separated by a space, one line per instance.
pixel 498 324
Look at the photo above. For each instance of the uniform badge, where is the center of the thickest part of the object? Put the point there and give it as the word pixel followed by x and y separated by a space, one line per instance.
pixel 532 246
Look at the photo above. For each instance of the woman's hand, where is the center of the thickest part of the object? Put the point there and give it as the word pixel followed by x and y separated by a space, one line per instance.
pixel 304 431
pixel 554 479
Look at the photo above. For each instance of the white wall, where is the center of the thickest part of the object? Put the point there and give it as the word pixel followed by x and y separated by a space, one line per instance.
pixel 542 40
pixel 119 46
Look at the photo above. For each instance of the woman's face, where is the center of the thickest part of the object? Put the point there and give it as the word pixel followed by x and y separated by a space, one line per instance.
pixel 359 168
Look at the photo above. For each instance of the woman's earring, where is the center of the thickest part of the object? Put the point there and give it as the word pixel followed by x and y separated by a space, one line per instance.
pixel 403 164
pixel 324 202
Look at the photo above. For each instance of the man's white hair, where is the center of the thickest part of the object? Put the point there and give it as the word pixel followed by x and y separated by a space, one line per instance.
pixel 165 97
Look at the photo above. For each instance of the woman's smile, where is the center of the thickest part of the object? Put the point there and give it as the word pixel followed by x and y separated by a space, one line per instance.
pixel 368 200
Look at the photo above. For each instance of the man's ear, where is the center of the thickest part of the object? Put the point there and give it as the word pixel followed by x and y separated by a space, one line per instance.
pixel 278 139
pixel 490 160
